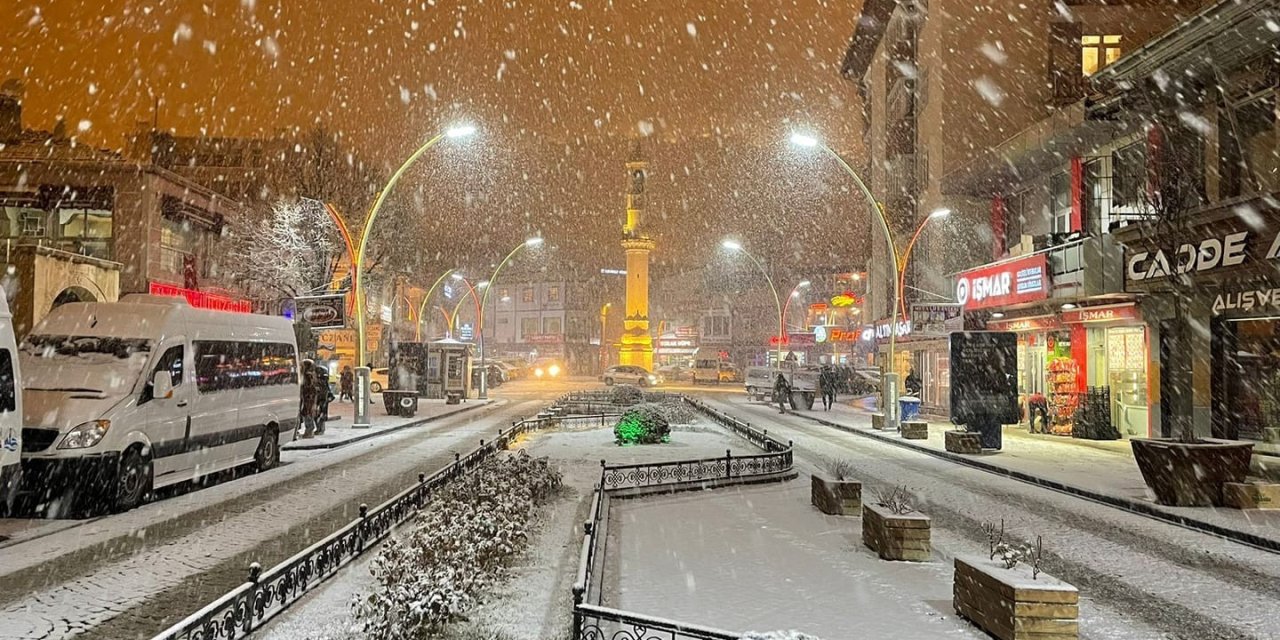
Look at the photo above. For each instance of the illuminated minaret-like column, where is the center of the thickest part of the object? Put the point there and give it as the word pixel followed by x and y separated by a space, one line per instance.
pixel 636 345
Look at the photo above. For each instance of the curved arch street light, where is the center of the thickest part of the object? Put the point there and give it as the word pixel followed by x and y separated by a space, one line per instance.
pixel 484 370
pixel 471 293
pixel 891 377
pixel 795 293
pixel 737 247
pixel 938 214
pixel 361 344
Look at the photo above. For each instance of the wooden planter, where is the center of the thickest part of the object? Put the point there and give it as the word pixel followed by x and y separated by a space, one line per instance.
pixel 915 430
pixel 836 497
pixel 896 537
pixel 1185 474
pixel 963 442
pixel 1010 605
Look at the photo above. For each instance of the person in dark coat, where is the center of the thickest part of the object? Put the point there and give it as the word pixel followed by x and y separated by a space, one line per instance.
pixel 347 385
pixel 324 396
pixel 914 386
pixel 827 381
pixel 781 392
pixel 309 407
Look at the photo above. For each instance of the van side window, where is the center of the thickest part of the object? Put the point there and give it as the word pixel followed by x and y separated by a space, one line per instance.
pixel 222 365
pixel 171 361
pixel 8 390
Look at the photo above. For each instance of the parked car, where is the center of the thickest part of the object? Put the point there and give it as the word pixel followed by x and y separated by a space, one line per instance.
pixel 378 380
pixel 628 374
pixel 120 398
pixel 674 372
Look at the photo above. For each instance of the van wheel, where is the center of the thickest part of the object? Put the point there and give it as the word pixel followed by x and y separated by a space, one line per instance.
pixel 133 481
pixel 608 382
pixel 268 454
pixel 375 387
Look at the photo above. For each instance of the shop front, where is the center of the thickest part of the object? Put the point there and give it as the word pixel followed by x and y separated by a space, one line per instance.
pixel 676 348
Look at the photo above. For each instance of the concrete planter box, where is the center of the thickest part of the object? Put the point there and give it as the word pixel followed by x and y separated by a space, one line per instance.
pixel 1185 474
pixel 963 442
pixel 877 421
pixel 1251 495
pixel 915 430
pixel 1009 605
pixel 836 497
pixel 896 537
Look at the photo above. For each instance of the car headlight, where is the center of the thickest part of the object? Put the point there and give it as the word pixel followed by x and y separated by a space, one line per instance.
pixel 554 370
pixel 83 436
pixel 653 378
pixel 538 372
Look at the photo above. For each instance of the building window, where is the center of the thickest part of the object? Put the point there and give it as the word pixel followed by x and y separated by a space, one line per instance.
pixel 528 327
pixel 551 326
pixel 1060 203
pixel 526 295
pixel 504 295
pixel 1250 161
pixel 553 294
pixel 1097 52
pixel 1128 179
pixel 178 241
pixel 1015 218
pixel 715 327
pixel 86 231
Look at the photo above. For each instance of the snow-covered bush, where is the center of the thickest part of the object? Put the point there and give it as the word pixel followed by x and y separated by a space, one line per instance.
pixel 456 550
pixel 626 395
pixel 676 411
pixel 642 424
pixel 777 635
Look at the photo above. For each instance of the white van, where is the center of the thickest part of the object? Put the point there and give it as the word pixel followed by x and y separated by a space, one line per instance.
pixel 10 411
pixel 124 397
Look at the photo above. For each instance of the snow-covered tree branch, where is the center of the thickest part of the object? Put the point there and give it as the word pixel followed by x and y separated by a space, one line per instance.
pixel 288 253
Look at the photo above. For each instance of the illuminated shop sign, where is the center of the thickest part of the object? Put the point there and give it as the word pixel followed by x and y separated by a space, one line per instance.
pixel 1006 283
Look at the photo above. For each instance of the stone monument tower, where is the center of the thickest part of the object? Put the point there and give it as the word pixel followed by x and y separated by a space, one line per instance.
pixel 636 345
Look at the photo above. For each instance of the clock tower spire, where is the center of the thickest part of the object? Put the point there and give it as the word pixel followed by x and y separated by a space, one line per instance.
pixel 636 347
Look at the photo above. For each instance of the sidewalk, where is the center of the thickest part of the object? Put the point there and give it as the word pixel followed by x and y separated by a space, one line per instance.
pixel 339 431
pixel 1099 470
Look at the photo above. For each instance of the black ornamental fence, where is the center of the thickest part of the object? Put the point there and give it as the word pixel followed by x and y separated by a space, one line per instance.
pixel 268 592
pixel 593 621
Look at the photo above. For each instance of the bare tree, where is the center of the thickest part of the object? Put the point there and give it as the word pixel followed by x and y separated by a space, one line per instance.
pixel 292 251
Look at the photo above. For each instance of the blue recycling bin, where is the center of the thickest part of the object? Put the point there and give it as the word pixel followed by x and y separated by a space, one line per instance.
pixel 908 408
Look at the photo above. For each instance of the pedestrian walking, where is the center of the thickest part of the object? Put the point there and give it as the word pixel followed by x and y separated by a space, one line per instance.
pixel 913 383
pixel 828 381
pixel 781 392
pixel 309 406
pixel 347 385
pixel 324 394
pixel 1038 406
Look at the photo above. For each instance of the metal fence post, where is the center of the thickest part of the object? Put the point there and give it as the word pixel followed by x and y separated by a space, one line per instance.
pixel 255 572
pixel 362 528
pixel 728 463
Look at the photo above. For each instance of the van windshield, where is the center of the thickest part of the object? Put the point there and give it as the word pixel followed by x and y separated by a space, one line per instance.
pixel 87 364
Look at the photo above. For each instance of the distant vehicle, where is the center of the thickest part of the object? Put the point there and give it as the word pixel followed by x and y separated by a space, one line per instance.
pixel 378 380
pixel 121 398
pixel 547 368
pixel 516 367
pixel 708 368
pixel 628 374
pixel 804 384
pixel 10 411
pixel 674 372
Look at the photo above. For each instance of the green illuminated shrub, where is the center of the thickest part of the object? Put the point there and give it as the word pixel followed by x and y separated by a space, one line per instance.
pixel 642 424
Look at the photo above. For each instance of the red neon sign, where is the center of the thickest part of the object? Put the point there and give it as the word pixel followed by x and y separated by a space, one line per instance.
pixel 1005 283
pixel 201 299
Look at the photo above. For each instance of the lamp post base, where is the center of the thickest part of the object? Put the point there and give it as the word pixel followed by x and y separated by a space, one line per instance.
pixel 889 395
pixel 361 420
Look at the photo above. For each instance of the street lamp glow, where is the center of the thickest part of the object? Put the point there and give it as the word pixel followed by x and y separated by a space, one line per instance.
pixel 802 140
pixel 940 213
pixel 795 293
pixel 482 284
pixel 456 276
pixel 804 283
pixel 460 131
pixel 731 245
pixel 533 242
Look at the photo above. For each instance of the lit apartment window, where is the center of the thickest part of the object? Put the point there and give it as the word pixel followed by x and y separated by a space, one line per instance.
pixel 1060 203
pixel 553 294
pixel 526 295
pixel 1096 52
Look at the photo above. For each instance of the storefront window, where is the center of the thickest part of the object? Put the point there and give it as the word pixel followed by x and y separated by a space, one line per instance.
pixel 1252 377
pixel 1126 367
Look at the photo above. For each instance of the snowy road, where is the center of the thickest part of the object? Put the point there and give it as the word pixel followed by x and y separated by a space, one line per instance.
pixel 1140 577
pixel 133 574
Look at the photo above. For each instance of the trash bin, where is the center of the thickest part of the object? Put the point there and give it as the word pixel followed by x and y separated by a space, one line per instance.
pixel 908 408
pixel 400 403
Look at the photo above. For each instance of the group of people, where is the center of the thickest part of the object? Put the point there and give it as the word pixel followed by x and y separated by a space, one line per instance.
pixel 316 396
pixel 829 385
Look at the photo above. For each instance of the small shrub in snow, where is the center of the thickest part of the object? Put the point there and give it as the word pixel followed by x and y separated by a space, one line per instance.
pixel 642 424
pixel 456 550
pixel 777 635
pixel 626 395
pixel 838 468
pixel 676 411
pixel 897 500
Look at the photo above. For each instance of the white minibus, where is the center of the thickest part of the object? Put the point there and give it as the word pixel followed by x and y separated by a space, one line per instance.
pixel 10 411
pixel 120 398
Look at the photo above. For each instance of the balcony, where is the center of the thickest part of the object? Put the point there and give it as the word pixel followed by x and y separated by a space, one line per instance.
pixel 1087 267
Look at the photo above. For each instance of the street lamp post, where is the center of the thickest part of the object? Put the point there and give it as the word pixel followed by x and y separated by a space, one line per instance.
pixel 906 256
pixel 604 317
pixel 890 390
pixel 795 293
pixel 782 330
pixel 427 298
pixel 484 373
pixel 362 411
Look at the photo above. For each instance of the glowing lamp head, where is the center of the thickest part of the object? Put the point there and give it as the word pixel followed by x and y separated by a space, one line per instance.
pixel 940 213
pixel 731 245
pixel 533 242
pixel 460 131
pixel 803 284
pixel 482 284
pixel 803 140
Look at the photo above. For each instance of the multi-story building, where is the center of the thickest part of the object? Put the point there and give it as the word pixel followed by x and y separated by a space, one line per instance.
pixel 944 81
pixel 1168 167
pixel 84 224
pixel 539 318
